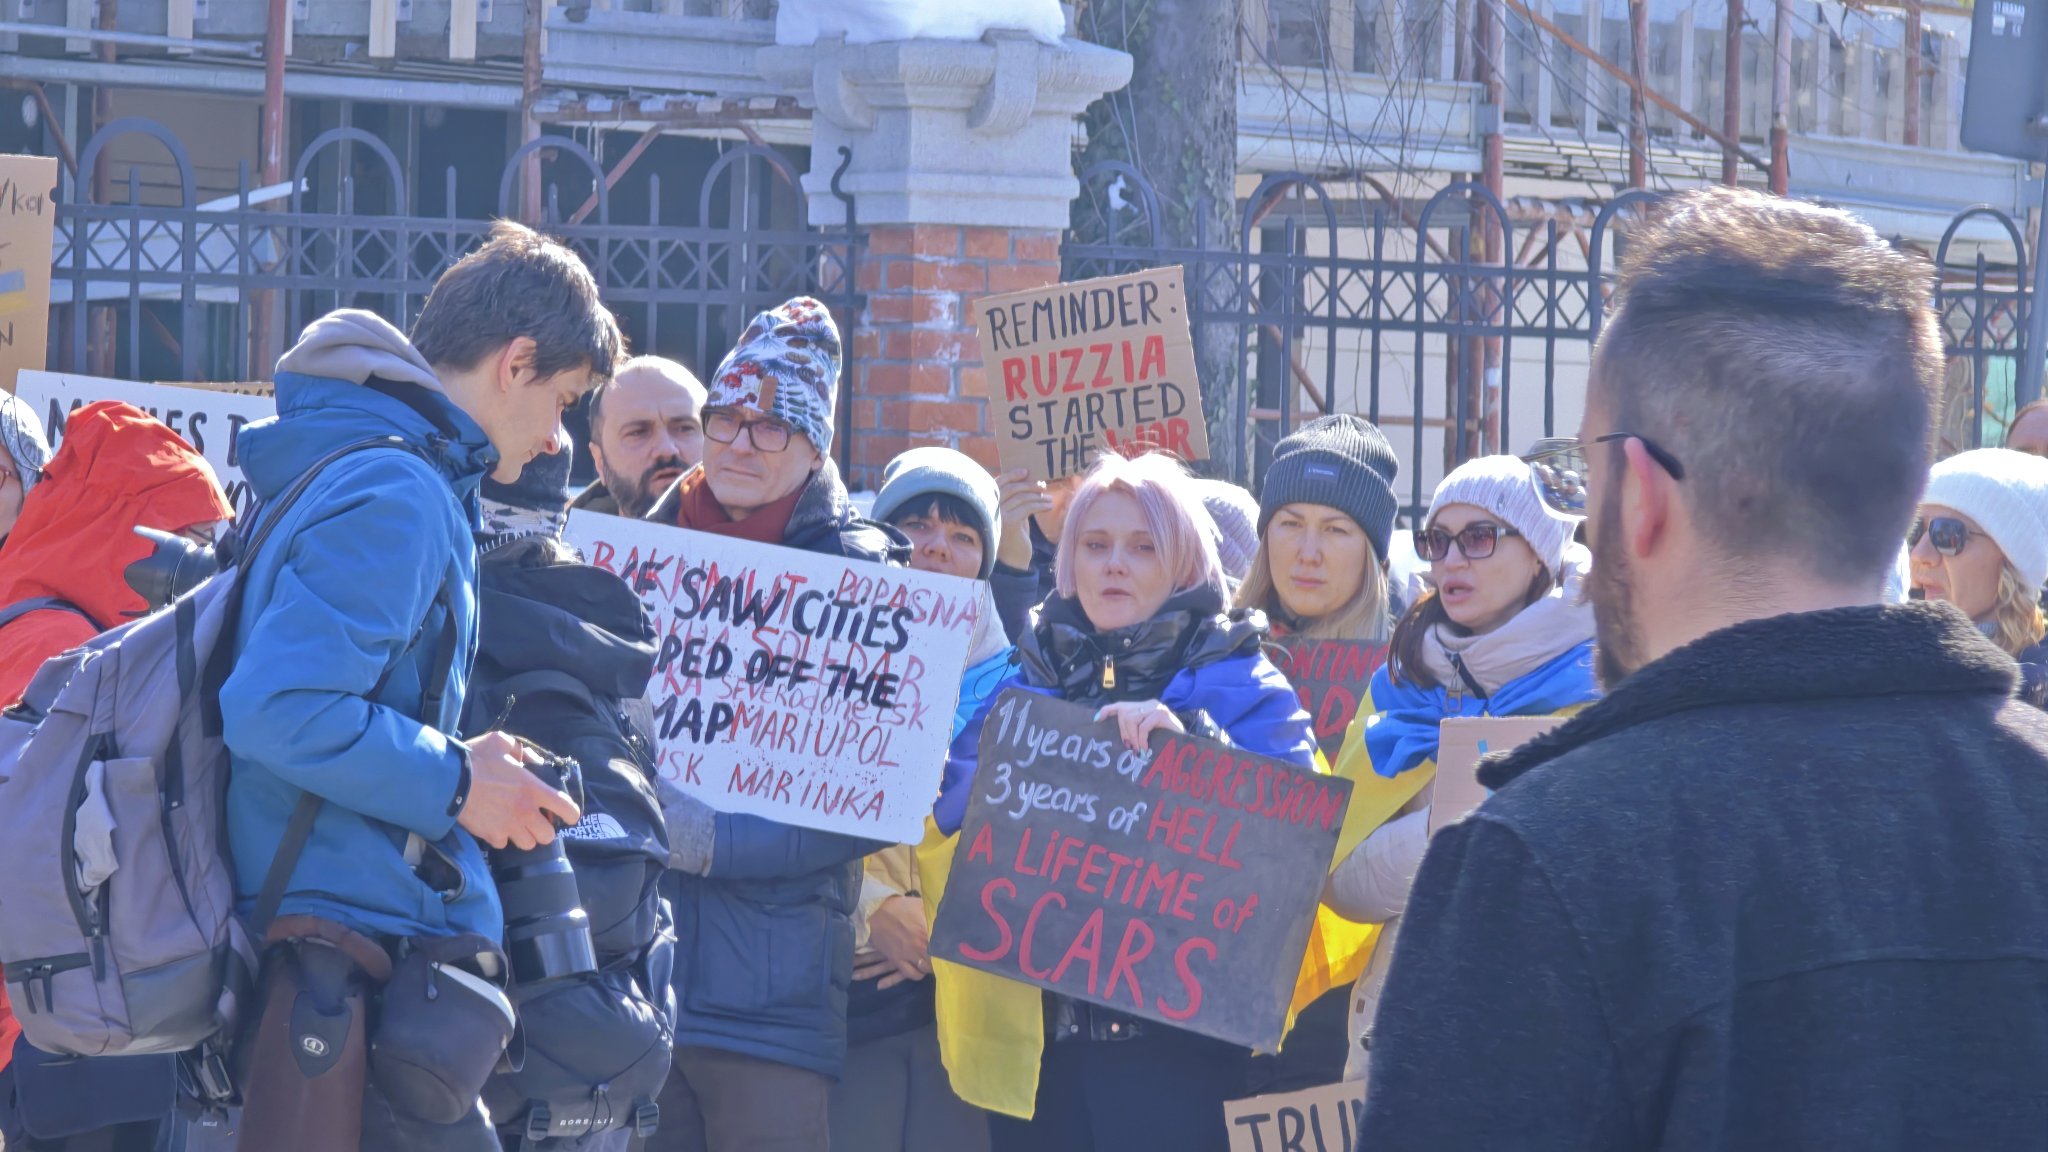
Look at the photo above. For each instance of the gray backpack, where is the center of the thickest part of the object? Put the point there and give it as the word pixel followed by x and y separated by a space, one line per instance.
pixel 117 901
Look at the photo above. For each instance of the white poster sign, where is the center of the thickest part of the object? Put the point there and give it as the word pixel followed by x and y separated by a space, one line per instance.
pixel 807 689
pixel 209 418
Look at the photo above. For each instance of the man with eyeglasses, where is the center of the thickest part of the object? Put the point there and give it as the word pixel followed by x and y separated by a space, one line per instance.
pixel 1785 886
pixel 764 910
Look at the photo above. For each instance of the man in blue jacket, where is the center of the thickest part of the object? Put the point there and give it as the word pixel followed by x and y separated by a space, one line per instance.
pixel 764 911
pixel 351 606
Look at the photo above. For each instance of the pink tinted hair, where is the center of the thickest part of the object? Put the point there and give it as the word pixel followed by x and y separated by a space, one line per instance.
pixel 1173 514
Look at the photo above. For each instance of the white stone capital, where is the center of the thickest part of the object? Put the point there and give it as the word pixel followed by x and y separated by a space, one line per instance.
pixel 963 132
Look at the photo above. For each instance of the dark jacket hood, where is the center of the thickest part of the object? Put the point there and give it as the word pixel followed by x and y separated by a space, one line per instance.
pixel 541 612
pixel 1871 651
pixel 1063 651
pixel 824 521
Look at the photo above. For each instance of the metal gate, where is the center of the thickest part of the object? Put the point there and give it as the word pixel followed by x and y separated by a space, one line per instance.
pixel 191 281
pixel 1460 325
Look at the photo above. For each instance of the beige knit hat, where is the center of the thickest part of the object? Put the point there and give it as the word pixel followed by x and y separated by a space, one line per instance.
pixel 1505 487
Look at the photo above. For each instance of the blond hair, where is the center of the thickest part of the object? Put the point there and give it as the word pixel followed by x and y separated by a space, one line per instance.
pixel 2017 623
pixel 1363 617
pixel 1173 514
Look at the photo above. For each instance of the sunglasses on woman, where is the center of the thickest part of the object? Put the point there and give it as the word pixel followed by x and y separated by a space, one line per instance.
pixel 1950 535
pixel 1475 541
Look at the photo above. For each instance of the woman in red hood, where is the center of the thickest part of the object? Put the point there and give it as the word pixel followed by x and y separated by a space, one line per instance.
pixel 117 470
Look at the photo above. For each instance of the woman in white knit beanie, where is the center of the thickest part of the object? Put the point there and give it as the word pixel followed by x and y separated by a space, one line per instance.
pixel 1505 630
pixel 1981 543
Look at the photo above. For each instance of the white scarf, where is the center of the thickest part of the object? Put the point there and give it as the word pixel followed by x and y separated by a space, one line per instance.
pixel 989 637
pixel 1560 621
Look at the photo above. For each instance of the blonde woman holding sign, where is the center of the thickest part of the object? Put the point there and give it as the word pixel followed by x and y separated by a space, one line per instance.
pixel 1138 627
pixel 1503 631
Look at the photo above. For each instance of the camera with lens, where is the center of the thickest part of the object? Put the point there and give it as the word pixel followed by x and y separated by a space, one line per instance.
pixel 547 934
pixel 173 567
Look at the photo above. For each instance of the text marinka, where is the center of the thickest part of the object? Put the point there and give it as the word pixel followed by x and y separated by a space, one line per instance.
pixel 1197 800
pixel 791 673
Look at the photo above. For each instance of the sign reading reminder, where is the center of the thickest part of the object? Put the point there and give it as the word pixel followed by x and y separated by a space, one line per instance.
pixel 807 689
pixel 1096 364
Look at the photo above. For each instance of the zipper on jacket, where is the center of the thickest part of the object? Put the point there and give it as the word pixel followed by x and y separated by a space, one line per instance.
pixel 1108 672
pixel 46 971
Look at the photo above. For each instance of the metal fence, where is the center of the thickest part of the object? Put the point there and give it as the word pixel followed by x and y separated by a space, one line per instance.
pixel 185 284
pixel 1458 324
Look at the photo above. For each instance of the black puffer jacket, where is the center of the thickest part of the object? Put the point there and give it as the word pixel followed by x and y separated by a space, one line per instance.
pixel 765 956
pixel 564 655
pixel 565 652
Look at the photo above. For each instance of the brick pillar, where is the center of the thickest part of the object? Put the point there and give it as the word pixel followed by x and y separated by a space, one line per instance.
pixel 962 177
pixel 916 365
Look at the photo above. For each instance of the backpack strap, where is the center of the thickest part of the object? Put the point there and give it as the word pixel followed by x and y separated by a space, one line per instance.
pixel 20 608
pixel 266 518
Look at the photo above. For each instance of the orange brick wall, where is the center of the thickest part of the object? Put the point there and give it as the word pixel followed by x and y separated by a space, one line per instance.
pixel 916 367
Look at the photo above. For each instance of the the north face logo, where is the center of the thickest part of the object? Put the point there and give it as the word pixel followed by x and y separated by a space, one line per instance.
pixel 1319 472
pixel 596 826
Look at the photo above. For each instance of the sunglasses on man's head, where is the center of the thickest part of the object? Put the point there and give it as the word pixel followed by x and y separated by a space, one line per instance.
pixel 1949 535
pixel 1475 541
pixel 1557 466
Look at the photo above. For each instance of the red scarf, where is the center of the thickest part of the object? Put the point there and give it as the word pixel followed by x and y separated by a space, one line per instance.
pixel 700 511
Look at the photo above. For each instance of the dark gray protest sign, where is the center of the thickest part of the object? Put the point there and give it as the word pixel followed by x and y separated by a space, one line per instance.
pixel 1178 885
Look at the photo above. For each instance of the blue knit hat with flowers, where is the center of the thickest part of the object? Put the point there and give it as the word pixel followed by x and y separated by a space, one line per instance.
pixel 785 365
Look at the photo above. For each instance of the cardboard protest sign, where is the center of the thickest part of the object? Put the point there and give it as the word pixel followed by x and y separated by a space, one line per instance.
pixel 209 418
pixel 1177 884
pixel 28 226
pixel 808 689
pixel 1096 364
pixel 1324 1119
pixel 1331 676
pixel 1461 742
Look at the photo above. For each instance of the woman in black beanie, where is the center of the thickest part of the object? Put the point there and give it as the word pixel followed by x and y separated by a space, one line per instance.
pixel 1324 520
pixel 1320 575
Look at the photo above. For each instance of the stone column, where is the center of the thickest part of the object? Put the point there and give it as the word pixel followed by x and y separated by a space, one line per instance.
pixel 962 178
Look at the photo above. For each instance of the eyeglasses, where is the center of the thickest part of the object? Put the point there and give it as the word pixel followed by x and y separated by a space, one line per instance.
pixel 724 425
pixel 1949 534
pixel 1475 541
pixel 1558 467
